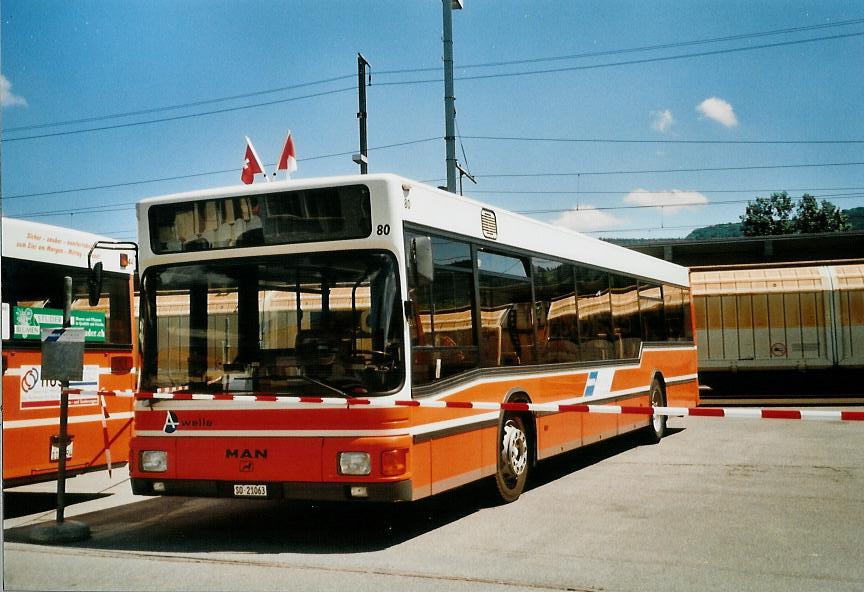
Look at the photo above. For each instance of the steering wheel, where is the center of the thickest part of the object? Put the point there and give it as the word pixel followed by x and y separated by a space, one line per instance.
pixel 371 353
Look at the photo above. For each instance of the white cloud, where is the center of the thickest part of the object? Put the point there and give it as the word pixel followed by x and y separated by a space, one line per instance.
pixel 7 99
pixel 586 219
pixel 718 110
pixel 672 200
pixel 661 121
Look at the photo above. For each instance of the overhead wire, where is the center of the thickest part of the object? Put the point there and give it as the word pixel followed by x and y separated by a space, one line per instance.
pixel 178 106
pixel 675 205
pixel 657 141
pixel 125 206
pixel 432 181
pixel 458 67
pixel 627 62
pixel 631 49
pixel 203 174
pixel 413 82
pixel 497 138
pixel 658 171
pixel 178 117
pixel 532 193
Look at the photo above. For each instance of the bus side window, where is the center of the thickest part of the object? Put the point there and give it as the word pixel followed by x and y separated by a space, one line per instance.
pixel 442 326
pixel 595 314
pixel 557 323
pixel 651 312
pixel 626 328
pixel 676 306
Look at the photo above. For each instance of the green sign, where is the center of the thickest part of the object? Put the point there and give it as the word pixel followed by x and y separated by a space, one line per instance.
pixel 93 324
pixel 28 322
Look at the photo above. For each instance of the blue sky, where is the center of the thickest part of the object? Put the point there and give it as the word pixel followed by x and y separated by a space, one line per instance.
pixel 68 61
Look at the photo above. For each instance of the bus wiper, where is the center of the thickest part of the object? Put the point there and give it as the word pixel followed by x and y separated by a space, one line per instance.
pixel 336 390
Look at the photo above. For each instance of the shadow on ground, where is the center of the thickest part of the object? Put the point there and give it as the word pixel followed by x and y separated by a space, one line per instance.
pixel 24 503
pixel 191 525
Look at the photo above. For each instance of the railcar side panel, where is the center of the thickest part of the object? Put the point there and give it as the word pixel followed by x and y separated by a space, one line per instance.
pixel 850 322
pixel 770 319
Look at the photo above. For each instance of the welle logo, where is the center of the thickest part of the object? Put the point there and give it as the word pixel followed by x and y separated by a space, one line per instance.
pixel 171 423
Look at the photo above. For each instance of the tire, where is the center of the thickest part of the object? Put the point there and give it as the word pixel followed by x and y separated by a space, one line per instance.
pixel 514 458
pixel 657 428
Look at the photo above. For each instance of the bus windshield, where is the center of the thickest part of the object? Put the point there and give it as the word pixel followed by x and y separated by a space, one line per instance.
pixel 323 324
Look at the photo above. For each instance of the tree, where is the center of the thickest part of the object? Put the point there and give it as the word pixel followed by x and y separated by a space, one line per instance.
pixel 856 218
pixel 768 216
pixel 820 218
pixel 771 216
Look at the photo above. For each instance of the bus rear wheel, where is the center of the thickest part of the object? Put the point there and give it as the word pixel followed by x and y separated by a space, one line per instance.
pixel 514 458
pixel 657 428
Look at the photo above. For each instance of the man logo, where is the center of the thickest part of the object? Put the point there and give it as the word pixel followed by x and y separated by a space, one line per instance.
pixel 171 423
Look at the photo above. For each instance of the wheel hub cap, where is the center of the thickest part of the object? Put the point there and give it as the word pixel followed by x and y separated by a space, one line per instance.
pixel 514 451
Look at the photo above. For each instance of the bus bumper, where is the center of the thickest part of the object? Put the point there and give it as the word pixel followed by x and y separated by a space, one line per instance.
pixel 394 491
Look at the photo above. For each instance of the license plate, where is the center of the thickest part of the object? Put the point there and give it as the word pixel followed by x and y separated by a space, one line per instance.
pixel 55 452
pixel 250 490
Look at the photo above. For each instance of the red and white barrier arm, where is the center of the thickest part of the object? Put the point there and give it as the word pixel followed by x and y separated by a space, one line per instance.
pixel 728 412
pixel 105 439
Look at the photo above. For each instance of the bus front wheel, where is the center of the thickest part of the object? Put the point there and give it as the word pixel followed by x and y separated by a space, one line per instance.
pixel 514 458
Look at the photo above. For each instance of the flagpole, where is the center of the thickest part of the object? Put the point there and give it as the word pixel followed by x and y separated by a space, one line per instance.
pixel 287 168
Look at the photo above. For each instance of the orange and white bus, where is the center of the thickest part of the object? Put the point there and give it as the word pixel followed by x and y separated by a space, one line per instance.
pixel 373 338
pixel 35 259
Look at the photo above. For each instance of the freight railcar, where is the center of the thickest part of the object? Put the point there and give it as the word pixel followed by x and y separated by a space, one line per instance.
pixel 780 321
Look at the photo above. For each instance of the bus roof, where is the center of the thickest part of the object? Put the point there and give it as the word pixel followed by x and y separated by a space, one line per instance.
pixel 438 209
pixel 33 241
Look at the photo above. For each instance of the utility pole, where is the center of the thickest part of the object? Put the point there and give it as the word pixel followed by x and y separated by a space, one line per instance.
pixel 362 158
pixel 449 98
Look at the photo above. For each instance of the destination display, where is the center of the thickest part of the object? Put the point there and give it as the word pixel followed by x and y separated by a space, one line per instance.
pixel 285 217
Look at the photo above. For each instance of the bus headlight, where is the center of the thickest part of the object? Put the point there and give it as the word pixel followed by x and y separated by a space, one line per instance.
pixel 154 461
pixel 354 463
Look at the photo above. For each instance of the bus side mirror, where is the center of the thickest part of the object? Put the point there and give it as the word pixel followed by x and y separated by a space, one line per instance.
pixel 94 284
pixel 424 269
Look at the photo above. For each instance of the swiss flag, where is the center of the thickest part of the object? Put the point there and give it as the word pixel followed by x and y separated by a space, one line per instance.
pixel 251 164
pixel 288 160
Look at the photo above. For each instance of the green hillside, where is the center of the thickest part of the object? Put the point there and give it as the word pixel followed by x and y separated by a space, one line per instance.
pixel 732 229
pixel 716 231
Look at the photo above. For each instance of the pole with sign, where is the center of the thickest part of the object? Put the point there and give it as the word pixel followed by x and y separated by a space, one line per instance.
pixel 63 360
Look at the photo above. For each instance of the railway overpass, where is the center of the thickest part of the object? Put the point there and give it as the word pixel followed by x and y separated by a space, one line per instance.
pixel 788 248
